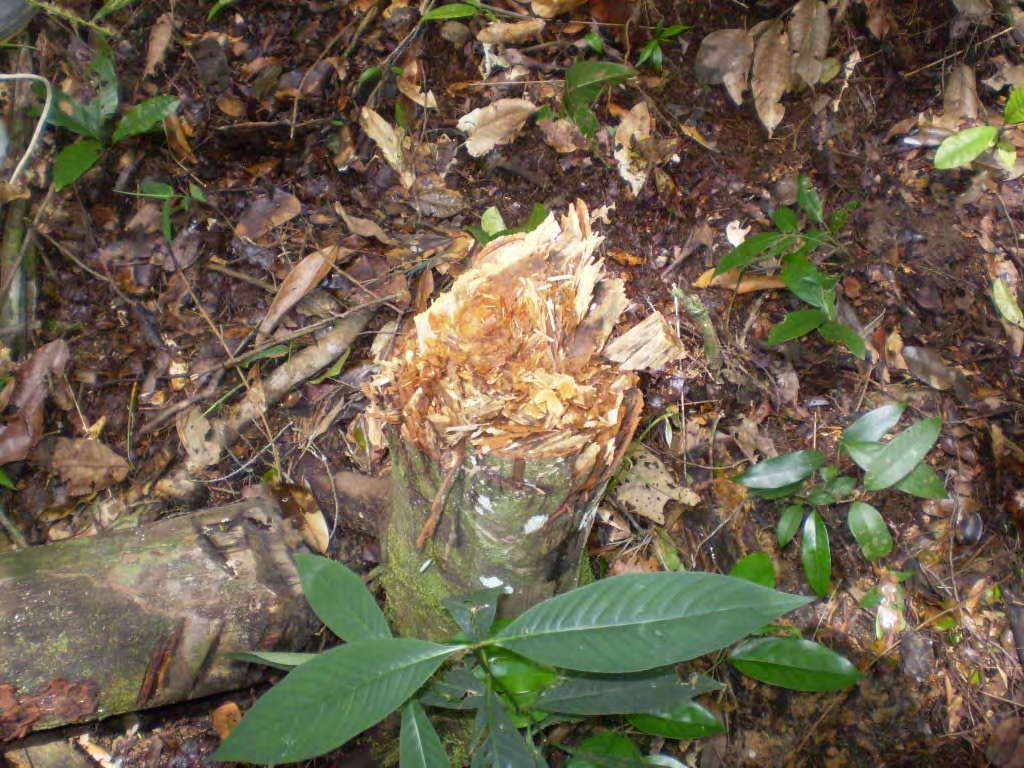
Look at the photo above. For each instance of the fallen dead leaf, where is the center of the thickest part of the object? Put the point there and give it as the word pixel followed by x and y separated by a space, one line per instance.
pixel 548 9
pixel 306 275
pixel 505 33
pixel 364 227
pixel 648 485
pixel 201 445
pixel 266 213
pixel 636 125
pixel 86 466
pixel 159 40
pixel 724 59
pixel 390 140
pixel 494 125
pixel 738 281
pixel 25 427
pixel 771 74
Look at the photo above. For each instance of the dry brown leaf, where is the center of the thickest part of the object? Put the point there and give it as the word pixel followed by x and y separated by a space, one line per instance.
pixel 391 142
pixel 494 125
pixel 195 432
pixel 432 197
pixel 364 227
pixel 809 31
pixel 24 427
pixel 306 275
pixel 562 135
pixel 724 59
pixel 505 33
pixel 636 126
pixel 231 105
pixel 738 281
pixel 225 718
pixel 86 466
pixel 772 67
pixel 649 485
pixel 177 138
pixel 265 213
pixel 300 509
pixel 159 41
pixel 410 85
pixel 960 100
pixel 548 9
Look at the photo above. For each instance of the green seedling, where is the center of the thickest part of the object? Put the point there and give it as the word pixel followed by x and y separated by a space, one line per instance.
pixel 792 243
pixel 965 146
pixel 558 661
pixel 492 225
pixel 96 121
pixel 807 484
pixel 651 53
pixel 171 200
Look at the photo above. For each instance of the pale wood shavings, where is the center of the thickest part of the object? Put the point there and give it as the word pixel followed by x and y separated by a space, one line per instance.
pixel 647 346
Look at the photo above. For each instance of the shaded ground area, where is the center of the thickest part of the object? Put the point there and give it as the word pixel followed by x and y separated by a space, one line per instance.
pixel 269 133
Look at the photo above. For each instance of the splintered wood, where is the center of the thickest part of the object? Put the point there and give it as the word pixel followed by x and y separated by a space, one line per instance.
pixel 510 360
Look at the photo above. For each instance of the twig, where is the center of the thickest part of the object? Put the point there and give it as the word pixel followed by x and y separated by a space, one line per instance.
pixel 451 462
pixel 34 141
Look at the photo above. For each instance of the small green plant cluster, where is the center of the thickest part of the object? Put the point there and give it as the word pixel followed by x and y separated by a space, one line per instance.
pixel 607 649
pixel 793 243
pixel 585 81
pixel 651 53
pixel 809 484
pixel 157 190
pixel 492 225
pixel 95 121
pixel 967 145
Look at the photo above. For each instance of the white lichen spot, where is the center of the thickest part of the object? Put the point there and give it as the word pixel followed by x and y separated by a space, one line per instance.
pixel 485 504
pixel 494 581
pixel 426 564
pixel 534 524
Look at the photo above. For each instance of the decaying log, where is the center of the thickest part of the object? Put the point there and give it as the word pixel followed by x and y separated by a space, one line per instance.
pixel 138 618
pixel 506 415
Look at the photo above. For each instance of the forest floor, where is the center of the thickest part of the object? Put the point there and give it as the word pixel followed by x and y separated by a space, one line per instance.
pixel 271 161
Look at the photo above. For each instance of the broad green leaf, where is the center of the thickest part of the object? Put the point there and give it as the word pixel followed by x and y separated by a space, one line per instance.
pixel 585 119
pixel 777 493
pixel 784 219
pixel 807 281
pixel 923 483
pixel 607 749
pixel 74 160
pixel 157 189
pixel 789 523
pixel 756 567
pixel 585 80
pixel 1003 296
pixel 1006 155
pixel 502 745
pixel 284 660
pixel 453 11
pixel 107 86
pixel 340 599
pixel 1013 112
pixel 869 529
pixel 688 720
pixel 458 688
pixel 795 325
pixel 815 553
pixel 538 214
pixel 588 695
pixel 836 333
pixel 781 471
pixel 808 200
pixel 146 116
pixel 901 454
pixel 196 192
pixel 419 746
pixel 474 613
pixel 964 146
pixel 662 618
pixel 874 425
pixel 747 252
pixel 822 495
pixel 793 663
pixel 491 221
pixel 83 119
pixel 518 677
pixel 323 703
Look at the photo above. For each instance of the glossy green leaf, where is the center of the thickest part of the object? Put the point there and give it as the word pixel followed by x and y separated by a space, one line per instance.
pixel 756 567
pixel 585 119
pixel 874 425
pixel 84 119
pixel 340 599
pixel 585 80
pixel 784 219
pixel 687 721
pixel 146 116
pixel 748 252
pixel 105 78
pixel 587 695
pixel 795 325
pixel 964 146
pixel 419 746
pixel 1004 299
pixel 815 553
pixel 1013 112
pixel 836 333
pixel 808 282
pixel 901 454
pixel 662 618
pixel 520 678
pixel 452 11
pixel 808 200
pixel 500 743
pixel 781 471
pixel 793 663
pixel 923 482
pixel 323 703
pixel 647 53
pixel 284 660
pixel 74 160
pixel 870 531
pixel 789 523
pixel 607 749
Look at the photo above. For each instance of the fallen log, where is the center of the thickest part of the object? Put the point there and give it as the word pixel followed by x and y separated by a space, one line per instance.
pixel 140 618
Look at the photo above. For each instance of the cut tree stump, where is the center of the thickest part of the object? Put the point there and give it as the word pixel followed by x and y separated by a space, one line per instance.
pixel 139 618
pixel 507 408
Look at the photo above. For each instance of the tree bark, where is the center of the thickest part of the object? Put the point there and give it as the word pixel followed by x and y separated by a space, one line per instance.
pixel 139 618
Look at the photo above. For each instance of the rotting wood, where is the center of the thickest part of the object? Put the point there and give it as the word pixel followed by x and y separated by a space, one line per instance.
pixel 505 422
pixel 139 618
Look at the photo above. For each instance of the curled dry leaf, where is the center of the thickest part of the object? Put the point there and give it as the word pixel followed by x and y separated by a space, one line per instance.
pixel 266 213
pixel 306 275
pixel 409 83
pixel 563 135
pixel 960 100
pixel 495 125
pixel 196 435
pixel 724 59
pixel 86 466
pixel 636 126
pixel 809 31
pixel 300 509
pixel 739 281
pixel 364 227
pixel 159 41
pixel 772 64
pixel 391 142
pixel 649 485
pixel 24 428
pixel 505 33
pixel 548 9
